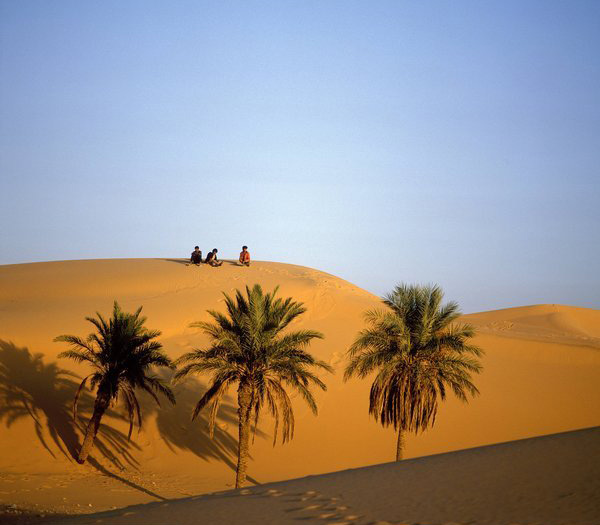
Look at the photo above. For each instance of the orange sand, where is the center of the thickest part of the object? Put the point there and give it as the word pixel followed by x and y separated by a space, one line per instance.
pixel 541 376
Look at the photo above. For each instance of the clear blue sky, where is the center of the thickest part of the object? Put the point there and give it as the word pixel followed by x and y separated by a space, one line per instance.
pixel 455 142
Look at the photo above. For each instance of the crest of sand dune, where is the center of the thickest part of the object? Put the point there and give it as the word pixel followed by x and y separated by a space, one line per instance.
pixel 540 376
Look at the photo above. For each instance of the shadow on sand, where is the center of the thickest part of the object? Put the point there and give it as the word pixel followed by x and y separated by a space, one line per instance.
pixel 30 388
pixel 231 262
pixel 179 261
pixel 186 262
pixel 179 432
pixel 44 393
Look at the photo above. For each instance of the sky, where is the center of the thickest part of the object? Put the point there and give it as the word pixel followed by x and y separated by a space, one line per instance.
pixel 453 142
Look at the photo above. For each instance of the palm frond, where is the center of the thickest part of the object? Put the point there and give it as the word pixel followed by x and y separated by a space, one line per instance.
pixel 122 352
pixel 417 351
pixel 250 344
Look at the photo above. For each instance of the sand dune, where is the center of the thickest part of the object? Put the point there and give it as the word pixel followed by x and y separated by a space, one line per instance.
pixel 552 480
pixel 544 322
pixel 541 376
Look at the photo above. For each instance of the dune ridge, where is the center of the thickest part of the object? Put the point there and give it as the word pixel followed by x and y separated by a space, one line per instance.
pixel 532 384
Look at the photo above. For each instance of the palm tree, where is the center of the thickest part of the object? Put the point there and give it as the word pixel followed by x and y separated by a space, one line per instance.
pixel 248 347
pixel 418 352
pixel 121 352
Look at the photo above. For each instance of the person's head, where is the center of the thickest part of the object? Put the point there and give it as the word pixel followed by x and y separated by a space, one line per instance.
pixel 244 248
pixel 196 248
pixel 215 250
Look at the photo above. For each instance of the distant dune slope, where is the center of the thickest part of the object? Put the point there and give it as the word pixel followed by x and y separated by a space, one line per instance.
pixel 542 367
pixel 552 480
pixel 544 322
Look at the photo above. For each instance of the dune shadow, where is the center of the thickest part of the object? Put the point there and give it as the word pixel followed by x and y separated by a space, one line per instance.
pixel 179 432
pixel 11 516
pixel 232 262
pixel 186 262
pixel 30 388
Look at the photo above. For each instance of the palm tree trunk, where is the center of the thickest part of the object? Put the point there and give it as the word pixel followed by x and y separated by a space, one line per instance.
pixel 244 397
pixel 100 406
pixel 399 445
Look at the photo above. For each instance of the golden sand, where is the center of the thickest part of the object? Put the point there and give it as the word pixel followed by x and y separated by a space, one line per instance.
pixel 542 367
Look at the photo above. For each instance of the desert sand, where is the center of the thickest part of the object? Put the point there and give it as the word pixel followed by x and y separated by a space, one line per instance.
pixel 541 372
pixel 551 480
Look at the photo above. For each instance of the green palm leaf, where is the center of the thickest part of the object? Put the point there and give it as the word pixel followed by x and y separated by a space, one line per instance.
pixel 122 351
pixel 417 351
pixel 250 347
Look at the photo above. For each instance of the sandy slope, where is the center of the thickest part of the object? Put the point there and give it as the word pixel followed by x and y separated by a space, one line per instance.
pixel 551 480
pixel 541 376
pixel 550 322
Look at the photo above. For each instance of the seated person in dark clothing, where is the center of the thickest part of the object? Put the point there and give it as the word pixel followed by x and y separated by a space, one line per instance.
pixel 196 257
pixel 211 258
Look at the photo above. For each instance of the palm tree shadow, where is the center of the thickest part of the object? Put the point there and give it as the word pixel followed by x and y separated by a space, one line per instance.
pixel 29 388
pixel 180 432
pixel 100 468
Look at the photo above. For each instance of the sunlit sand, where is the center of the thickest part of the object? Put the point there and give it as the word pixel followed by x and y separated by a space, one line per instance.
pixel 540 377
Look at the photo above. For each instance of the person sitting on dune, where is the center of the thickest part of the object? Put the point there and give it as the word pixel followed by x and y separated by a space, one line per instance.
pixel 245 256
pixel 196 257
pixel 211 258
